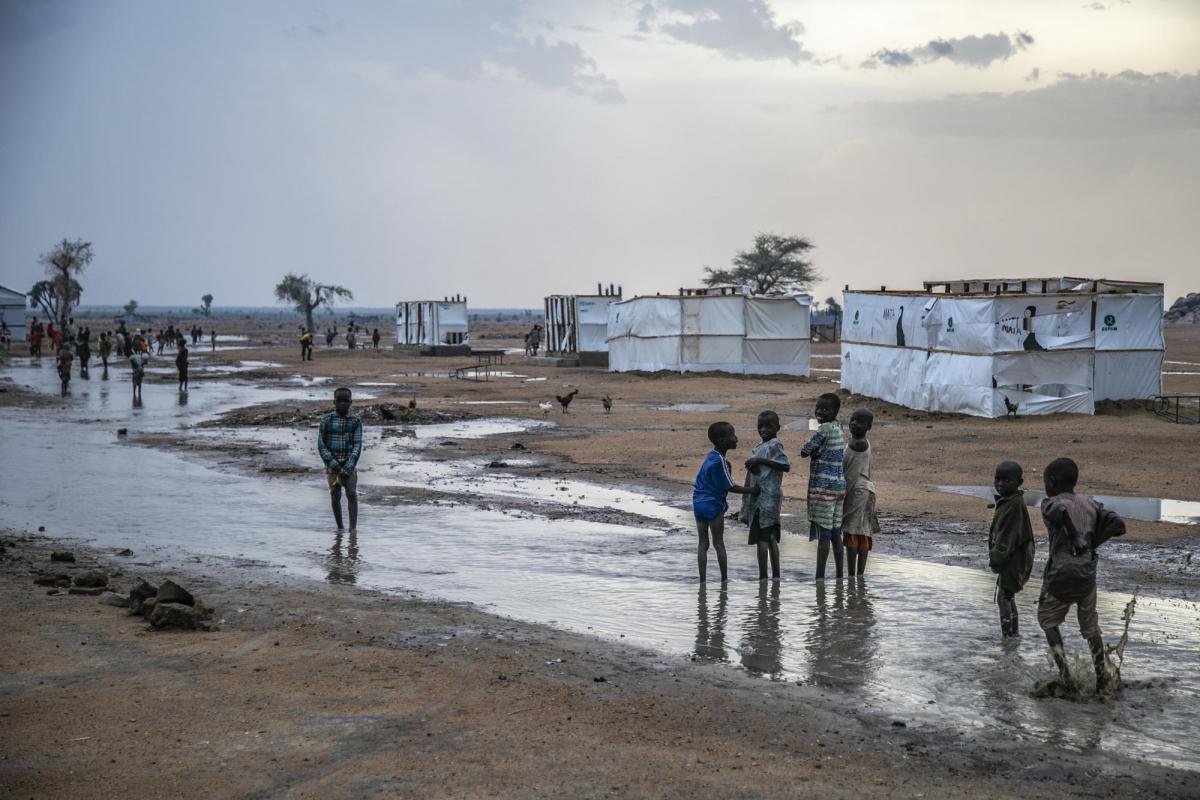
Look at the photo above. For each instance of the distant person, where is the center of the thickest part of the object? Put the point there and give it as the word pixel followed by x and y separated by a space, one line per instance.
pixel 339 441
pixel 105 348
pixel 35 336
pixel 535 340
pixel 212 338
pixel 83 349
pixel 181 364
pixel 5 337
pixel 63 360
pixel 1010 543
pixel 306 344
pixel 860 523
pixel 330 335
pixel 1075 526
pixel 713 483
pixel 764 471
pixel 826 483
pixel 138 362
pixel 351 340
pixel 375 337
pixel 54 335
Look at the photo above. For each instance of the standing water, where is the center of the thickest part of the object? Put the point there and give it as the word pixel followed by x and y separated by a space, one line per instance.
pixel 914 640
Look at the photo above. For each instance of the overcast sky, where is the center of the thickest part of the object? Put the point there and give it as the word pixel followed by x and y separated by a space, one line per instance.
pixel 507 150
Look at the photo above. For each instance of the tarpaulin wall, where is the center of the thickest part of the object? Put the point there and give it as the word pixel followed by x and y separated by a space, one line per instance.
pixel 428 322
pixel 1042 353
pixel 578 323
pixel 726 333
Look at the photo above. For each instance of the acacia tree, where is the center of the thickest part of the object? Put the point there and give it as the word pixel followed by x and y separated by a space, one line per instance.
pixel 63 264
pixel 832 306
pixel 305 295
pixel 131 308
pixel 206 309
pixel 776 264
pixel 43 294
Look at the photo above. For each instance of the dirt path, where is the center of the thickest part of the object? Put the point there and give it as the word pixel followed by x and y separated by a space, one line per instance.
pixel 310 690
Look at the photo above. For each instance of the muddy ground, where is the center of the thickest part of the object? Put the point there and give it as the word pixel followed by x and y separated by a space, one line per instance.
pixel 312 690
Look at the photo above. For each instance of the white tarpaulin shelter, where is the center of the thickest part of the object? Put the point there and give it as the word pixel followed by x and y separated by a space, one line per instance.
pixel 726 332
pixel 13 311
pixel 578 323
pixel 1045 345
pixel 432 322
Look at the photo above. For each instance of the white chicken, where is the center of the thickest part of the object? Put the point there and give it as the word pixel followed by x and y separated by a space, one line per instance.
pixel 546 408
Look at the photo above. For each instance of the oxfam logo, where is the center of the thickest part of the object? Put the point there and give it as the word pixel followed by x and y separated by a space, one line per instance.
pixel 950 325
pixel 855 318
pixel 1110 322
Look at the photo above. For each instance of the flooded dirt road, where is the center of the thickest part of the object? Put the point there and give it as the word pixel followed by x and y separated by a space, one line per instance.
pixel 914 641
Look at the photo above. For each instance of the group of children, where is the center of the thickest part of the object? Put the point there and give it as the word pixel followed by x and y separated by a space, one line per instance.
pixel 841 495
pixel 842 518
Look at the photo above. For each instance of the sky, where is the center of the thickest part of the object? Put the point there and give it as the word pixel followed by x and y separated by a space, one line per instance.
pixel 510 149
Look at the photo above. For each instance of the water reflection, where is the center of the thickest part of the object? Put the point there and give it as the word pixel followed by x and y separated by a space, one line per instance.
pixel 183 398
pixel 762 644
pixel 710 626
pixel 343 565
pixel 841 637
pixel 1150 509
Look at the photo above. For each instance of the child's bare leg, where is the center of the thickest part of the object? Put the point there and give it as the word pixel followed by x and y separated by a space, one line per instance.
pixel 763 552
pixel 335 497
pixel 1055 640
pixel 352 505
pixel 702 549
pixel 822 557
pixel 862 562
pixel 838 551
pixel 773 550
pixel 717 528
pixel 851 559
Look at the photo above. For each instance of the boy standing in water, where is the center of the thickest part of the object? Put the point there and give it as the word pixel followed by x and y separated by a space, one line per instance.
pixel 339 441
pixel 713 483
pixel 1075 527
pixel 1010 543
pixel 826 482
pixel 859 521
pixel 181 364
pixel 764 470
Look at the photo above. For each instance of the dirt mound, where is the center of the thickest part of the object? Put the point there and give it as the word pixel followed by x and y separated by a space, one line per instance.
pixel 1184 311
pixel 308 415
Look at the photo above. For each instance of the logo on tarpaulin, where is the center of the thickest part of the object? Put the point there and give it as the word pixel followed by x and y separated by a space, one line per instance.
pixel 855 318
pixel 950 325
pixel 1110 322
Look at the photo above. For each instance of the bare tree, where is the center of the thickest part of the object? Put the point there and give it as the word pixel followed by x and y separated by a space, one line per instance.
pixel 206 309
pixel 44 294
pixel 305 294
pixel 776 264
pixel 64 264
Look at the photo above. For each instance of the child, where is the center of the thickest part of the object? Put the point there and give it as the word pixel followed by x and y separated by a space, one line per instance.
pixel 339 441
pixel 181 364
pixel 1075 527
pixel 138 363
pixel 859 521
pixel 1010 543
pixel 713 482
pixel 764 470
pixel 826 483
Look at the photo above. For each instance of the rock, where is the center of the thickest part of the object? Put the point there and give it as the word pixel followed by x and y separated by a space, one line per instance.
pixel 41 528
pixel 52 579
pixel 114 599
pixel 91 591
pixel 519 446
pixel 172 592
pixel 126 552
pixel 174 615
pixel 497 464
pixel 146 608
pixel 92 578
pixel 139 594
pixel 62 555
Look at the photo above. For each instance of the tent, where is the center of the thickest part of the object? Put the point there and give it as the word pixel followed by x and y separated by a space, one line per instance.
pixel 980 347
pixel 432 323
pixel 578 323
pixel 710 330
pixel 13 311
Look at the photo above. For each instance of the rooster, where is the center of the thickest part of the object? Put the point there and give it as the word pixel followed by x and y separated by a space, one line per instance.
pixel 565 400
pixel 413 403
pixel 387 413
pixel 606 401
pixel 546 408
pixel 1010 407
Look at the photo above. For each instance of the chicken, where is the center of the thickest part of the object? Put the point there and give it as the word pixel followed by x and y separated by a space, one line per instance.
pixel 1010 406
pixel 565 400
pixel 546 408
pixel 606 401
pixel 413 403
pixel 387 413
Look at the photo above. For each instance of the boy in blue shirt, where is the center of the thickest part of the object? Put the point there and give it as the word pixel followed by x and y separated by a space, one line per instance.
pixel 713 482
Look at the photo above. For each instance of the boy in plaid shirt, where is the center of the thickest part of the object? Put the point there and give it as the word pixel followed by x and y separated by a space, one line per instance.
pixel 339 441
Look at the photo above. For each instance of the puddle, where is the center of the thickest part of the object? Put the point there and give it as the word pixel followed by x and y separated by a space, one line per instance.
pixel 420 374
pixel 490 403
pixel 916 641
pixel 693 407
pixel 376 383
pixel 1149 509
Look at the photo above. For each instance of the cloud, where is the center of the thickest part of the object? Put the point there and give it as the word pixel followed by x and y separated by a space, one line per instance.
pixel 1098 6
pixel 972 51
pixel 1034 75
pixel 558 65
pixel 1092 106
pixel 738 29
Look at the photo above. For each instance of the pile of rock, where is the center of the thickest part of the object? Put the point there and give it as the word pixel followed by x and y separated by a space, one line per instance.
pixel 1184 311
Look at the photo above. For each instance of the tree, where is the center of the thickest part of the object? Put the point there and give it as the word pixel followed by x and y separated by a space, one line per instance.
pixel 131 308
pixel 206 309
pixel 832 306
pixel 305 294
pixel 44 294
pixel 63 264
pixel 776 264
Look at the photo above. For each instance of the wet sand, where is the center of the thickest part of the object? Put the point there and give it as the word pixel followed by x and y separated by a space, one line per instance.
pixel 621 450
pixel 311 690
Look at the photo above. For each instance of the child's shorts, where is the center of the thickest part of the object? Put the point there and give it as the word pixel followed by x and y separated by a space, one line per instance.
pixel 707 512
pixel 817 533
pixel 758 533
pixel 857 541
